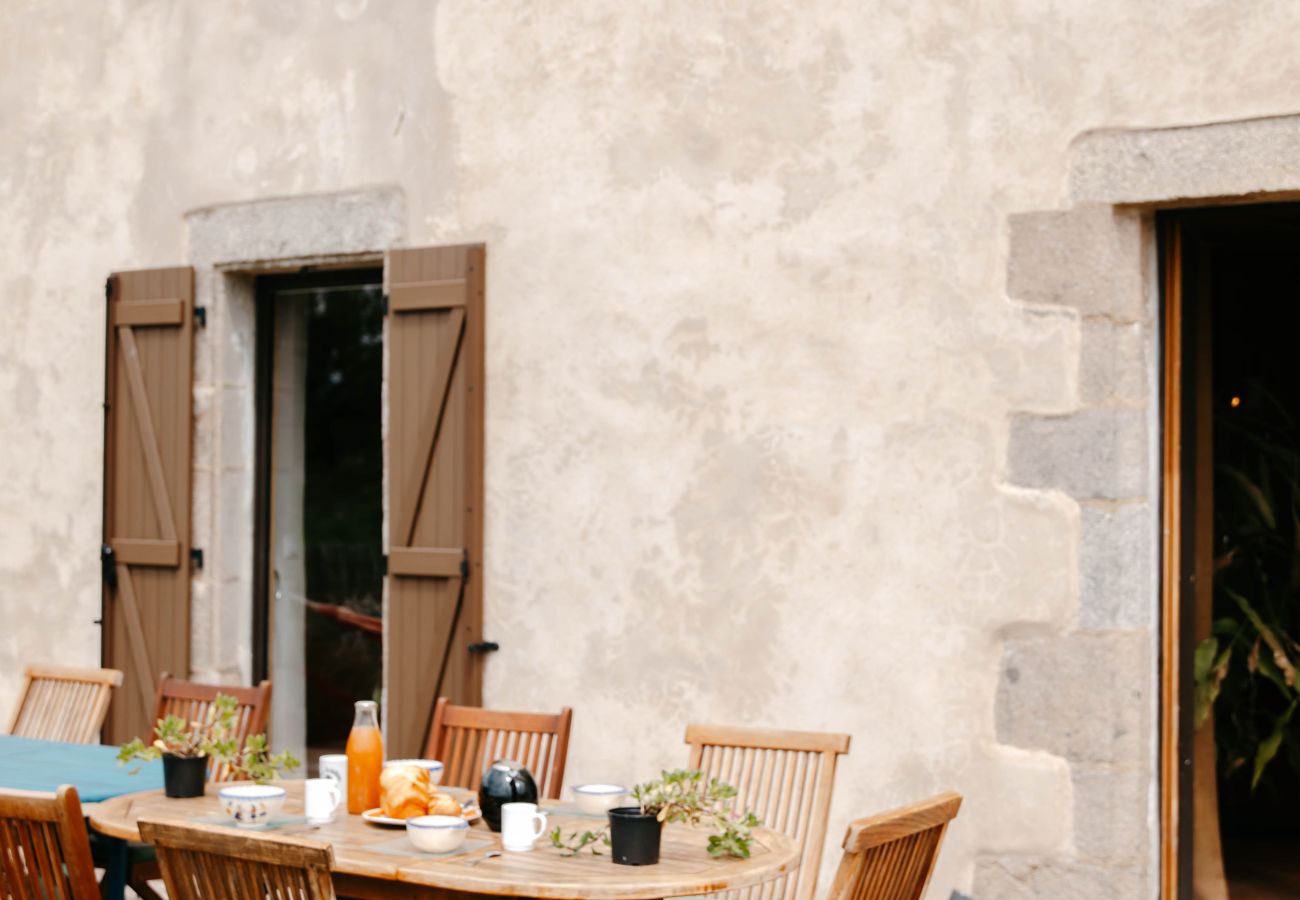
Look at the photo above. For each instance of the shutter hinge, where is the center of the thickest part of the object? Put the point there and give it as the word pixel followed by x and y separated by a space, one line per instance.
pixel 107 567
pixel 464 568
pixel 108 288
pixel 484 647
pixel 201 316
pixel 107 407
pixel 383 304
pixel 196 557
pixel 383 564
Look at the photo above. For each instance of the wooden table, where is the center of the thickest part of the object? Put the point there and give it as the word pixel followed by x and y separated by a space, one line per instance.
pixel 372 861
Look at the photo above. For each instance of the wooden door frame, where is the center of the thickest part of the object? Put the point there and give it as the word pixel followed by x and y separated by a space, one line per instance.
pixel 1175 787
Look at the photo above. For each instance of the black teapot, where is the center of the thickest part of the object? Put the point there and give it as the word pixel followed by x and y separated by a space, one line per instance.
pixel 504 782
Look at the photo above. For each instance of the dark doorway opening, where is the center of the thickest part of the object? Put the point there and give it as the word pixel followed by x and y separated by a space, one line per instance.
pixel 319 567
pixel 1239 689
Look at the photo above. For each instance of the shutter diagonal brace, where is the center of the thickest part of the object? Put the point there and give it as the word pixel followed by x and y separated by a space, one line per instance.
pixel 135 634
pixel 148 440
pixel 451 639
pixel 431 427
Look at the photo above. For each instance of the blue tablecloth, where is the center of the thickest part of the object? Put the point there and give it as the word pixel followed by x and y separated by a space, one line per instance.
pixel 92 769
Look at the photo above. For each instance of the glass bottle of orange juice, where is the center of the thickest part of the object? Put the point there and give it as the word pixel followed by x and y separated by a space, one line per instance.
pixel 365 758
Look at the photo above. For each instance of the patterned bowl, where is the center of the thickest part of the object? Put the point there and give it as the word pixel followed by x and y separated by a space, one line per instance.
pixel 251 805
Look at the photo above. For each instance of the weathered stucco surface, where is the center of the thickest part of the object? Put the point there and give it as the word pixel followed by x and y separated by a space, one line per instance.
pixel 753 369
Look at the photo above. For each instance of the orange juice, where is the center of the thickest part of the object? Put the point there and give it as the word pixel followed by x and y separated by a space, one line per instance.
pixel 365 758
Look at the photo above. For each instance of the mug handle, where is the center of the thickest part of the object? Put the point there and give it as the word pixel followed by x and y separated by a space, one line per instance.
pixel 540 818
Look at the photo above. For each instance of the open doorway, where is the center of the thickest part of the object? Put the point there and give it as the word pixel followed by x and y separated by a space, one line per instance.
pixel 1232 466
pixel 318 552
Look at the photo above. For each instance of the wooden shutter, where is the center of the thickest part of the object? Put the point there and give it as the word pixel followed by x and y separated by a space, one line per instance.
pixel 147 438
pixel 435 487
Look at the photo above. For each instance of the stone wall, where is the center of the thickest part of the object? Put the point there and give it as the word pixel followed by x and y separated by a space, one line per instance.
pixel 786 425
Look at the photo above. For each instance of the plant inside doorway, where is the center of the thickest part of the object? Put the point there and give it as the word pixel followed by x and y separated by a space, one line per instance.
pixel 1246 670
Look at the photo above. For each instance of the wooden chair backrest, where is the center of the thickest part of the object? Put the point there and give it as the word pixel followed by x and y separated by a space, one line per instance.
pixel 61 703
pixel 44 849
pixel 201 862
pixel 467 739
pixel 786 778
pixel 191 700
pixel 891 856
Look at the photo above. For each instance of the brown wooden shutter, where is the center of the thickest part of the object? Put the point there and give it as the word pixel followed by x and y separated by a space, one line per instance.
pixel 147 438
pixel 435 486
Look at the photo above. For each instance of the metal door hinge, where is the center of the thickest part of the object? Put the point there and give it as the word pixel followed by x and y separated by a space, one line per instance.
pixel 201 316
pixel 196 557
pixel 484 647
pixel 383 304
pixel 107 565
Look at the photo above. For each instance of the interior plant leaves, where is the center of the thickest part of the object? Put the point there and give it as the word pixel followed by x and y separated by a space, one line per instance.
pixel 1269 746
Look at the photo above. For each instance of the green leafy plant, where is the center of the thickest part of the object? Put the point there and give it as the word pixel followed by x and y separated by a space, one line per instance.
pixel 681 795
pixel 211 736
pixel 1245 671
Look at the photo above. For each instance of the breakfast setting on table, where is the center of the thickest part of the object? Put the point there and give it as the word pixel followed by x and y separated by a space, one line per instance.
pixel 202 807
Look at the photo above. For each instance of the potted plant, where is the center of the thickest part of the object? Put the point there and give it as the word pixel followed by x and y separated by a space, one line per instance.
pixel 187 747
pixel 680 795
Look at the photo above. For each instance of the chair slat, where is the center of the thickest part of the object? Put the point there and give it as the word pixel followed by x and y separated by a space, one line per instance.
pixel 207 863
pixel 786 778
pixel 467 740
pixel 60 703
pixel 44 849
pixel 892 856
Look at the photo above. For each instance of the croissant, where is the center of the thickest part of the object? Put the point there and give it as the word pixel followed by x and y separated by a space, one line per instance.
pixel 404 791
pixel 443 805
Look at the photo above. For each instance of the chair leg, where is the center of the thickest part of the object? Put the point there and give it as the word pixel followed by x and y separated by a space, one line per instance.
pixel 142 888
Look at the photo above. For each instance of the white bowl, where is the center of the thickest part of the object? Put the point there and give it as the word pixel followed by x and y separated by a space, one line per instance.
pixel 251 805
pixel 437 834
pixel 434 767
pixel 598 798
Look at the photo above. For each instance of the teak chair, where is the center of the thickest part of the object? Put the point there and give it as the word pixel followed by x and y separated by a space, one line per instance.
pixel 891 856
pixel 206 863
pixel 191 700
pixel 44 849
pixel 786 778
pixel 468 739
pixel 60 703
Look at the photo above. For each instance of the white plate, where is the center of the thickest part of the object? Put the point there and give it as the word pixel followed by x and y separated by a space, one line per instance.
pixel 376 816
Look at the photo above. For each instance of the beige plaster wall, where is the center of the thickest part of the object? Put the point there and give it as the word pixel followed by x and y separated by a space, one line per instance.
pixel 751 359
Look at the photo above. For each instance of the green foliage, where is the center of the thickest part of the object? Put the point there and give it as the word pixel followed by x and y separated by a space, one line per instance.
pixel 680 795
pixel 211 736
pixel 1245 671
pixel 575 842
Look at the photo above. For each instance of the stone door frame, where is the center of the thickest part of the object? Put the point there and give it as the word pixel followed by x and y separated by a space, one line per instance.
pixel 1098 257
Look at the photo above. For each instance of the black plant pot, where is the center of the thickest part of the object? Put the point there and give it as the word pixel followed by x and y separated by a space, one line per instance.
pixel 634 836
pixel 184 776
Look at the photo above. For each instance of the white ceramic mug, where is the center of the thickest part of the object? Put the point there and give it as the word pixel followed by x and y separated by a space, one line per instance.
pixel 321 796
pixel 335 765
pixel 521 824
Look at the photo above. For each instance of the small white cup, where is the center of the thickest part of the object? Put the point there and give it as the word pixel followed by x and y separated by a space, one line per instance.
pixel 335 765
pixel 321 796
pixel 521 824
